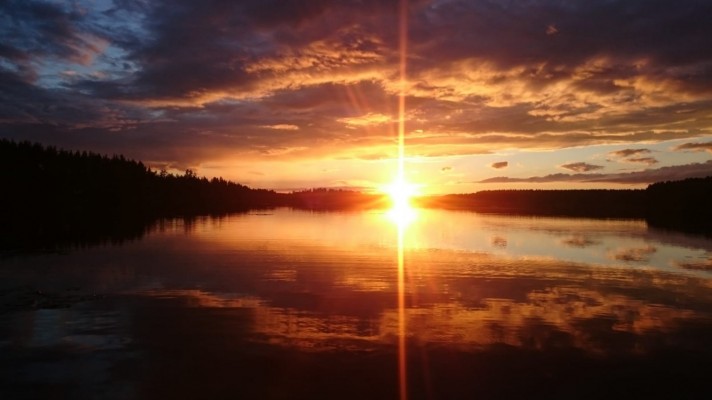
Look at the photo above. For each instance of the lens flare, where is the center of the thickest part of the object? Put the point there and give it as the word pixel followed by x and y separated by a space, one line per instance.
pixel 401 199
pixel 401 192
pixel 400 181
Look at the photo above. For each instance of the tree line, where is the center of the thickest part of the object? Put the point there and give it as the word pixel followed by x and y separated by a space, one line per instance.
pixel 49 194
pixel 684 204
pixel 48 180
pixel 54 195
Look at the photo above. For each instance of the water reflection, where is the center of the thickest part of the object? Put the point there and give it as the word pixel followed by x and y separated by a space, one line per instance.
pixel 467 280
pixel 611 243
pixel 287 285
pixel 567 316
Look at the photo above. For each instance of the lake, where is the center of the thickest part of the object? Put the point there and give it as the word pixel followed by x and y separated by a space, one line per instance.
pixel 285 304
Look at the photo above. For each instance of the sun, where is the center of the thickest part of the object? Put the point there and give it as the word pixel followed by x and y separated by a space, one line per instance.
pixel 401 192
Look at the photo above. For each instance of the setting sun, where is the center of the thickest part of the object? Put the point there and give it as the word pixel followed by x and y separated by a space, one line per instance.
pixel 400 191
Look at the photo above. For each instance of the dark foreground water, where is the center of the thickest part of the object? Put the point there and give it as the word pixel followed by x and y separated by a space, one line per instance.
pixel 288 304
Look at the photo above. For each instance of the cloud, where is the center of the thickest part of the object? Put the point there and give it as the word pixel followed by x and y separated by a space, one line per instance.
pixel 629 152
pixel 35 32
pixel 499 164
pixel 677 172
pixel 706 146
pixel 635 254
pixel 581 167
pixel 366 120
pixel 703 265
pixel 633 156
pixel 579 241
pixel 186 81
pixel 445 169
pixel 643 160
pixel 499 241
pixel 283 127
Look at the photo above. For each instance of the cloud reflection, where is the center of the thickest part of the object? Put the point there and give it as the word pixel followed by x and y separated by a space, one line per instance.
pixel 638 254
pixel 558 316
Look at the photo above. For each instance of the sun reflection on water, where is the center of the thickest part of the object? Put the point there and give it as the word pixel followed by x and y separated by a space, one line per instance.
pixel 402 195
pixel 402 214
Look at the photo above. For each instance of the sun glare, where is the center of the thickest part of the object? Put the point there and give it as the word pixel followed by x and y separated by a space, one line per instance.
pixel 400 193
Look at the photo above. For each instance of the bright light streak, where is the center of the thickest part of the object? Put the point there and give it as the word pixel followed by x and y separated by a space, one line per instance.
pixel 401 192
pixel 401 201
pixel 402 216
pixel 402 364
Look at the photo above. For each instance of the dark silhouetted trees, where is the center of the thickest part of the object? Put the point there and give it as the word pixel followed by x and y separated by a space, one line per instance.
pixel 51 194
pixel 575 203
pixel 39 179
pixel 685 204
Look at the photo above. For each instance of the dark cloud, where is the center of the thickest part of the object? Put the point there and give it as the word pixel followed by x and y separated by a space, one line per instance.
pixel 499 165
pixel 704 265
pixel 643 160
pixel 677 172
pixel 633 156
pixel 634 254
pixel 579 241
pixel 21 102
pixel 695 147
pixel 581 167
pixel 618 33
pixel 629 152
pixel 37 29
pixel 445 169
pixel 196 51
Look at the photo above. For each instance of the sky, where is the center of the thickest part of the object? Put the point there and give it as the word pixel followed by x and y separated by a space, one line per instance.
pixel 286 94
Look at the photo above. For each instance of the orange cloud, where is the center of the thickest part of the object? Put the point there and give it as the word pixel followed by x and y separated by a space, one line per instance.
pixel 366 120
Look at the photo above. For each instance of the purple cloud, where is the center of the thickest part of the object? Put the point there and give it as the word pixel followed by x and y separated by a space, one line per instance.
pixel 581 167
pixel 629 152
pixel 707 146
pixel 643 160
pixel 677 172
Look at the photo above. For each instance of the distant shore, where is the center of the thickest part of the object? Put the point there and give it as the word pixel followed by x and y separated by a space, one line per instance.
pixel 682 205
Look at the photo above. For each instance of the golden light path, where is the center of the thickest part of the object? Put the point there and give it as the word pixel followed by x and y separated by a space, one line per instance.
pixel 400 193
pixel 401 212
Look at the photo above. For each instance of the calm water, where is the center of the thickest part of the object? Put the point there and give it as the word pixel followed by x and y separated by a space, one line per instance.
pixel 290 304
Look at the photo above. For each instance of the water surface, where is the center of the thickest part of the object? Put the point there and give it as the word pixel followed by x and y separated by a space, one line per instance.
pixel 293 304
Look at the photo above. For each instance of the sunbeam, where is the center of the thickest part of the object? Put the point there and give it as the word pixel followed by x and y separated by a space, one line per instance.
pixel 401 201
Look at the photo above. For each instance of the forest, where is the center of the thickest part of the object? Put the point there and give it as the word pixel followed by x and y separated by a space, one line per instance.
pixel 52 195
pixel 684 204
